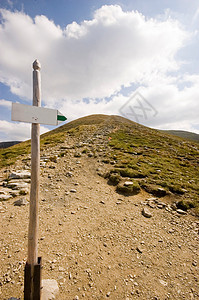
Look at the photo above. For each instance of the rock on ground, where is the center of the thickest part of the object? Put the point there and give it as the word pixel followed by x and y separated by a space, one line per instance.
pixel 20 175
pixel 50 289
pixel 146 213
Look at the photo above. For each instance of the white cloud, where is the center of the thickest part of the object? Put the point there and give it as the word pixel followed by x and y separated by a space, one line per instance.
pixel 16 131
pixel 177 108
pixel 5 103
pixel 75 109
pixel 92 59
pixel 195 17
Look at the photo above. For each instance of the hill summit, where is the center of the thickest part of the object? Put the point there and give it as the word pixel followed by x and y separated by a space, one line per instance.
pixel 117 212
pixel 148 159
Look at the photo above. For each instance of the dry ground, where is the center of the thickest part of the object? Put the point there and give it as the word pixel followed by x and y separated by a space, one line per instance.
pixel 96 243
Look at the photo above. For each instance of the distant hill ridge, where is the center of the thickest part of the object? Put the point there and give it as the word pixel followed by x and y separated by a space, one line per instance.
pixel 184 134
pixel 4 145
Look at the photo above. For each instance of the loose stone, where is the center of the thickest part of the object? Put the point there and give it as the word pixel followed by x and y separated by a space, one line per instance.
pixel 20 175
pixel 5 197
pixel 146 213
pixel 163 282
pixel 139 249
pixel 128 183
pixel 181 212
pixel 20 202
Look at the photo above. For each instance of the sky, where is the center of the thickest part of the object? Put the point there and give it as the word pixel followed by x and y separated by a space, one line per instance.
pixel 135 58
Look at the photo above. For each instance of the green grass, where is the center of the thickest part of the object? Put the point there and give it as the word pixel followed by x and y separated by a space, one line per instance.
pixel 162 160
pixel 9 155
pixel 128 190
pixel 149 157
pixel 52 138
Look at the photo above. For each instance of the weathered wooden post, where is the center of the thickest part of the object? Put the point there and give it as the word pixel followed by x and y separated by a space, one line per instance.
pixel 36 115
pixel 35 165
pixel 32 283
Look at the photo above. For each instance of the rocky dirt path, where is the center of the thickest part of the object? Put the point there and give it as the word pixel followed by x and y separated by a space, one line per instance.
pixel 96 243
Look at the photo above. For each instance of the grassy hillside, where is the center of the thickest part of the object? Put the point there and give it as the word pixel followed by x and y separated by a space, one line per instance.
pixel 161 164
pixel 8 144
pixel 184 134
pixel 153 160
pixel 52 138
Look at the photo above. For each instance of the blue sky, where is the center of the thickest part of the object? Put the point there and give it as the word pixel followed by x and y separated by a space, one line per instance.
pixel 95 55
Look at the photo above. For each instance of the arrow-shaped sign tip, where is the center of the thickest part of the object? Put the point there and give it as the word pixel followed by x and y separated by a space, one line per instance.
pixel 61 118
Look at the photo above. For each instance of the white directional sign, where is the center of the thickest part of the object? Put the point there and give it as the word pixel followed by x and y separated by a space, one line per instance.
pixel 34 114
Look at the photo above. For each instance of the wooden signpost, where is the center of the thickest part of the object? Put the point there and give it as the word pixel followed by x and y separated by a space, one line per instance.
pixel 36 115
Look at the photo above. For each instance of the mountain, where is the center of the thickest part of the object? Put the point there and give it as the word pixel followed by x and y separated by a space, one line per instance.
pixel 8 144
pixel 184 134
pixel 155 161
pixel 117 212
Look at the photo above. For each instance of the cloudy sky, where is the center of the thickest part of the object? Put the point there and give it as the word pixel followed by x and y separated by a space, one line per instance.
pixel 134 58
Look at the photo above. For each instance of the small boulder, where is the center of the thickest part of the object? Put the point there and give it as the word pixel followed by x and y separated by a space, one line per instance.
pixel 5 197
pixel 161 205
pixel 146 213
pixel 181 212
pixel 161 192
pixel 128 188
pixel 69 174
pixel 20 175
pixel 21 202
pixel 17 185
pixel 128 183
pixel 50 289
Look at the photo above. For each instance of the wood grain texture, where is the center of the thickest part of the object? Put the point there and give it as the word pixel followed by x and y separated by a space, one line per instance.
pixel 35 170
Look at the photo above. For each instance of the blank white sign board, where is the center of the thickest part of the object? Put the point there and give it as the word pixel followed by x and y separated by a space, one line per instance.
pixel 34 114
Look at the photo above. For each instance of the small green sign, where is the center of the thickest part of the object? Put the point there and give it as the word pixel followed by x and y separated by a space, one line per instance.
pixel 61 118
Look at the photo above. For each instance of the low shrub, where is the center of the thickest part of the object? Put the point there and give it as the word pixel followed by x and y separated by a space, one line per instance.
pixel 185 204
pixel 114 178
pixel 154 190
pixel 132 189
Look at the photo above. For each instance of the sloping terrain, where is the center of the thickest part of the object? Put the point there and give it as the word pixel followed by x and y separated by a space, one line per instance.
pixel 184 134
pixel 8 144
pixel 99 236
pixel 153 160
